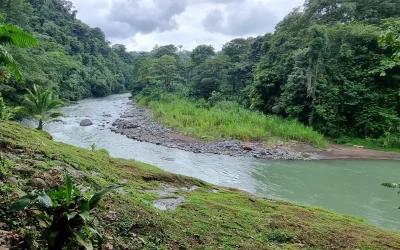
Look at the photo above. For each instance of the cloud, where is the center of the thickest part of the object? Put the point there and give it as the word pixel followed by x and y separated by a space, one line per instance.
pixel 142 24
pixel 146 16
pixel 240 19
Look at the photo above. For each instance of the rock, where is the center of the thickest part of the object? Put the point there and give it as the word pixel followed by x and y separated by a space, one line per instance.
pixel 94 173
pixel 247 147
pixel 57 168
pixel 86 123
pixel 108 246
pixel 168 204
pixel 23 170
pixel 75 165
pixel 38 183
pixel 272 224
pixel 12 181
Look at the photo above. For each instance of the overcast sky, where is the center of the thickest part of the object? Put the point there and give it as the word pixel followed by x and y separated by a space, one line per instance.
pixel 142 24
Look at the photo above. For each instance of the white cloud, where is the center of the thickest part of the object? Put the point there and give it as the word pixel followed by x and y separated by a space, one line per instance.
pixel 142 24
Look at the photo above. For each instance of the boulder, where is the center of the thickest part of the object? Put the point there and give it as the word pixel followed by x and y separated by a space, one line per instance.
pixel 12 181
pixel 38 183
pixel 86 123
pixel 247 147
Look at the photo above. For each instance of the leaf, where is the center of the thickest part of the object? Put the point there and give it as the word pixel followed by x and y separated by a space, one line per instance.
pixel 21 204
pixel 85 215
pixel 68 191
pixel 71 215
pixel 44 200
pixel 83 241
pixel 52 238
pixel 91 229
pixel 97 196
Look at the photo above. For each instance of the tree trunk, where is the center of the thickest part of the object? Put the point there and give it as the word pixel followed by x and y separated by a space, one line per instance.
pixel 40 124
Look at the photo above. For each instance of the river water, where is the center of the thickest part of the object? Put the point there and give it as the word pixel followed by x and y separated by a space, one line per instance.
pixel 346 186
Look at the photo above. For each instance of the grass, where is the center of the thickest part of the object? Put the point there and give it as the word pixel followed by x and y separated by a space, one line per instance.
pixel 228 120
pixel 368 143
pixel 229 219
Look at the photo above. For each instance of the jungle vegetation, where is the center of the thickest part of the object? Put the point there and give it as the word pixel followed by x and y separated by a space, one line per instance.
pixel 332 65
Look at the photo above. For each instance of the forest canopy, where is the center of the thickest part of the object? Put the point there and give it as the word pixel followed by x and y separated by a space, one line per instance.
pixel 323 65
pixel 73 59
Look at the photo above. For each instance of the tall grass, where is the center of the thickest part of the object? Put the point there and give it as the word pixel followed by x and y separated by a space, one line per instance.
pixel 227 120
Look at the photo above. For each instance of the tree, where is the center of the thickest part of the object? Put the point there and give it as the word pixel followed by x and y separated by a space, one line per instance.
pixel 166 71
pixel 39 105
pixel 201 53
pixel 390 38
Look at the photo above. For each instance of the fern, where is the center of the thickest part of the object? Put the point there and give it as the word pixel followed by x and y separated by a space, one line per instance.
pixel 12 35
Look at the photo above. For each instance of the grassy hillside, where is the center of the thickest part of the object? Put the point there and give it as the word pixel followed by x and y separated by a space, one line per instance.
pixel 227 219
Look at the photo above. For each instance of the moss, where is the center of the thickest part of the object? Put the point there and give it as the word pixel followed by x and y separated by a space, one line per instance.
pixel 229 219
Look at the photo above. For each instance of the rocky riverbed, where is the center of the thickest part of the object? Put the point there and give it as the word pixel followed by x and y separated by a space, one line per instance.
pixel 137 123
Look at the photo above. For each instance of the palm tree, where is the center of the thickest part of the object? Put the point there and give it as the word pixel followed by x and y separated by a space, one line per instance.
pixel 39 105
pixel 12 35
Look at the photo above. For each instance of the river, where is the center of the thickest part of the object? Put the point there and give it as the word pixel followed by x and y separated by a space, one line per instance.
pixel 346 186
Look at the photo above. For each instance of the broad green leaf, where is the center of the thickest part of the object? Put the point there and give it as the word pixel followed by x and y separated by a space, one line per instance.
pixel 83 241
pixel 97 196
pixel 68 191
pixel 85 215
pixel 44 200
pixel 91 229
pixel 21 204
pixel 71 215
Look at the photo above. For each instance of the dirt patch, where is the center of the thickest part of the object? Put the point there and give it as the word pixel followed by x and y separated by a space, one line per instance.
pixel 337 152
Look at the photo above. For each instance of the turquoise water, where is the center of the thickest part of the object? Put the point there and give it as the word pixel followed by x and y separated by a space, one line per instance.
pixel 344 186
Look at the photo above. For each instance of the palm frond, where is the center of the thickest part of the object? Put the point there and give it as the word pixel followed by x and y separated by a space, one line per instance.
pixel 10 63
pixel 56 115
pixel 10 34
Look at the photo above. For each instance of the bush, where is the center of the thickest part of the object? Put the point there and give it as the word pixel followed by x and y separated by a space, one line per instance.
pixel 66 212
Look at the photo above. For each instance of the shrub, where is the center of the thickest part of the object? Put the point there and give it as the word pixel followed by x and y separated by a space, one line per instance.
pixel 66 213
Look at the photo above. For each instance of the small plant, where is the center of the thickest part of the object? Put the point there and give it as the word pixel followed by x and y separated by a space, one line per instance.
pixel 66 213
pixel 39 104
pixel 93 146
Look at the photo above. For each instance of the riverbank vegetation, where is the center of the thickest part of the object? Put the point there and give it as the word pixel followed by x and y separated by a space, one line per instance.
pixel 227 119
pixel 331 66
pixel 209 218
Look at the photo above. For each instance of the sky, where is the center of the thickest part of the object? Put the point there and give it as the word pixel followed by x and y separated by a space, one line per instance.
pixel 142 24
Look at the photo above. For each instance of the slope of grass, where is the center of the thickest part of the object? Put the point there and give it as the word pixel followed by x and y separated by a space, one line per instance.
pixel 228 120
pixel 228 219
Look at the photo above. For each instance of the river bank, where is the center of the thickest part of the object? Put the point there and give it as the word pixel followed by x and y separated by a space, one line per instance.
pixel 138 123
pixel 207 216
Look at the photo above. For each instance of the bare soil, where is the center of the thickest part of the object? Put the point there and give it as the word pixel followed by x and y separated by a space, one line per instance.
pixel 335 152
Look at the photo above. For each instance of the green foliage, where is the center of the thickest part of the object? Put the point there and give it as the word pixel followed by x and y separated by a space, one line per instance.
pixel 322 67
pixel 227 120
pixel 6 113
pixel 39 105
pixel 12 35
pixel 67 212
pixel 73 60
